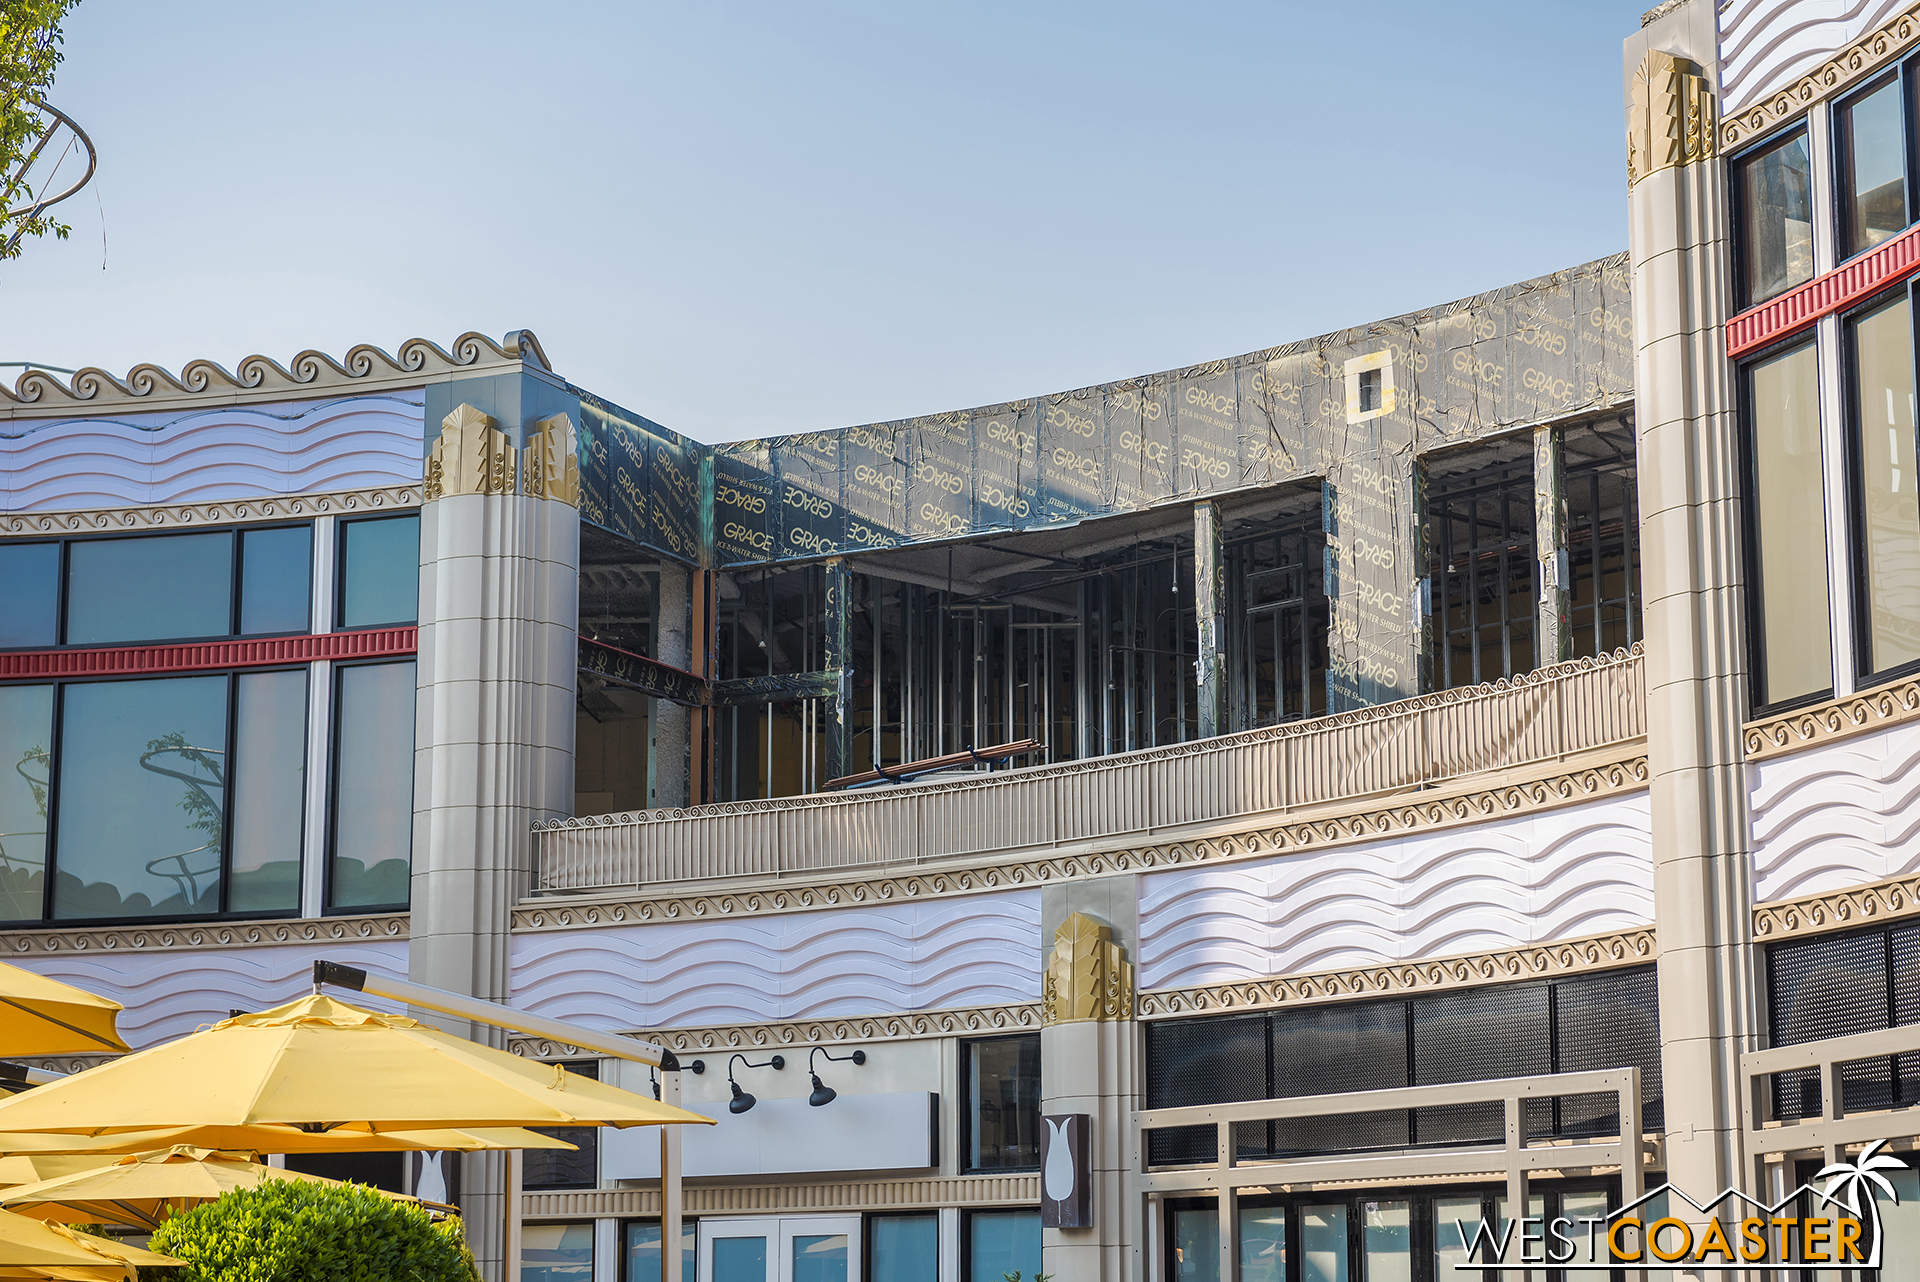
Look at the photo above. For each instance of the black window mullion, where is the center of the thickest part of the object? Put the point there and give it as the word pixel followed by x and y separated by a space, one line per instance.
pixel 54 754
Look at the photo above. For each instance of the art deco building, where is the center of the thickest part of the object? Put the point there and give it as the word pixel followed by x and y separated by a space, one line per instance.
pixel 1510 707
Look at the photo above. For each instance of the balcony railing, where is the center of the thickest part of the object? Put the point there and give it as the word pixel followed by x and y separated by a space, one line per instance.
pixel 1835 1128
pixel 1539 717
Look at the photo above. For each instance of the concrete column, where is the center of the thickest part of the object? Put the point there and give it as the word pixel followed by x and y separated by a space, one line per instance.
pixel 499 586
pixel 1210 608
pixel 670 725
pixel 1090 1065
pixel 838 659
pixel 1694 597
pixel 1553 626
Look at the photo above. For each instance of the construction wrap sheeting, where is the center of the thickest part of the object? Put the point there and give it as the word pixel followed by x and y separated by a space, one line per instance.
pixel 1542 350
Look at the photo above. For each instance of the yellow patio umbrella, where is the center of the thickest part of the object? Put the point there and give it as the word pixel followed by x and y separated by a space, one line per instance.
pixel 27 1168
pixel 41 1016
pixel 142 1189
pixel 30 1248
pixel 321 1065
pixel 271 1139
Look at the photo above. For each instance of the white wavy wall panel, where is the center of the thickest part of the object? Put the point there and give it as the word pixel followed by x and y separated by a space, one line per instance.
pixel 225 452
pixel 1765 45
pixel 169 994
pixel 1581 870
pixel 1836 816
pixel 975 950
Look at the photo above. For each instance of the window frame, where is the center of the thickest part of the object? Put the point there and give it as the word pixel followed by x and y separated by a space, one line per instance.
pixel 689 1224
pixel 331 826
pixel 1853 452
pixel 340 528
pixel 1839 199
pixel 1754 608
pixel 64 570
pixel 965 1122
pixel 869 1218
pixel 1737 207
pixel 56 750
pixel 967 1215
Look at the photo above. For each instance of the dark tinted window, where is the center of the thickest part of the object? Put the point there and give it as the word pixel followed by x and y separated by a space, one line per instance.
pixel 143 769
pixel 1003 1103
pixel 1476 1035
pixel 380 569
pixel 1836 985
pixel 558 1168
pixel 1002 1243
pixel 269 790
pixel 643 1250
pixel 1362 1047
pixel 29 594
pixel 276 568
pixel 1870 133
pixel 1776 233
pixel 158 588
pixel 373 786
pixel 26 765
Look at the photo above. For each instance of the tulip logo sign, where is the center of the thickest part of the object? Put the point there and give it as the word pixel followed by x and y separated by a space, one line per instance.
pixel 1842 1228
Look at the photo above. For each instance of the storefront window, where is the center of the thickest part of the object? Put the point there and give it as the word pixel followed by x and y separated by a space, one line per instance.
pixel 142 776
pixel 269 790
pixel 1776 225
pixel 1000 1242
pixel 153 588
pixel 643 1251
pixel 556 1252
pixel 1787 566
pixel 1871 145
pixel 373 786
pixel 903 1248
pixel 1323 1243
pixel 1886 487
pixel 1003 1103
pixel 29 607
pixel 1263 1245
pixel 276 571
pixel 1586 1206
pixel 26 767
pixel 380 572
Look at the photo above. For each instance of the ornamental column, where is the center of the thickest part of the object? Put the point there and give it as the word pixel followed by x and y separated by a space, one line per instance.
pixel 493 747
pixel 1694 606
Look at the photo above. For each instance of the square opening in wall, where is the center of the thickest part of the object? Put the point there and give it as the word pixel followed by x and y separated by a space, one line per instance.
pixel 1369 386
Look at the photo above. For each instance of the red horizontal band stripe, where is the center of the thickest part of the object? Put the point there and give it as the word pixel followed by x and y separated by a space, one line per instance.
pixel 1839 289
pixel 373 643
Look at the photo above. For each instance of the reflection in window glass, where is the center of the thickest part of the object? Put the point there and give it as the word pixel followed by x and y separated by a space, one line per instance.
pixel 26 732
pixel 1873 169
pixel 1788 517
pixel 1576 1207
pixel 819 1258
pixel 373 786
pixel 276 570
pixel 1323 1243
pixel 1455 1220
pixel 643 1250
pixel 1003 1126
pixel 1263 1245
pixel 1886 487
pixel 1776 189
pixel 1901 1223
pixel 903 1248
pixel 29 605
pixel 740 1259
pixel 269 791
pixel 556 1253
pixel 142 796
pixel 381 569
pixel 1387 1240
pixel 157 588
pixel 1196 1244
pixel 999 1242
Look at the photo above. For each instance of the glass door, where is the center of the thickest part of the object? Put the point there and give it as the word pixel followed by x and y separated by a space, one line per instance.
pixel 803 1248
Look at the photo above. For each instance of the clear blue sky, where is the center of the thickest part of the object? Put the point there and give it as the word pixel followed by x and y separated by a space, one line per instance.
pixel 743 219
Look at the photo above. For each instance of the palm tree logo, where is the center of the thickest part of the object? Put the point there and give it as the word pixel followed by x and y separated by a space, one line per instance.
pixel 1854 1182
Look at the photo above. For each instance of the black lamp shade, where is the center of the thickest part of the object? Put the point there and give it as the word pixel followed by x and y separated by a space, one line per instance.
pixel 822 1093
pixel 741 1101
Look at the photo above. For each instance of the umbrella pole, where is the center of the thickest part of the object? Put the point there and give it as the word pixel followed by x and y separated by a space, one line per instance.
pixel 670 1203
pixel 512 1271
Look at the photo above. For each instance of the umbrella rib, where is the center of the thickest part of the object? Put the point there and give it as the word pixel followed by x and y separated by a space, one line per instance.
pixel 137 1213
pixel 40 1014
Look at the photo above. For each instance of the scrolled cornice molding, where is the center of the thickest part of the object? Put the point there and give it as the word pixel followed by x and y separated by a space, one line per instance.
pixel 1427 812
pixel 1535 961
pixel 909 1026
pixel 1856 906
pixel 222 512
pixel 1401 710
pixel 39 393
pixel 1836 719
pixel 1859 61
pixel 185 936
pixel 851 1194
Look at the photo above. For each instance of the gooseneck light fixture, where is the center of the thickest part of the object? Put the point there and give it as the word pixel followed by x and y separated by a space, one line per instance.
pixel 822 1093
pixel 742 1101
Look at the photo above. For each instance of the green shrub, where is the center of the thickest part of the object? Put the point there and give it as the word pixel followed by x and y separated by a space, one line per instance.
pixel 292 1231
